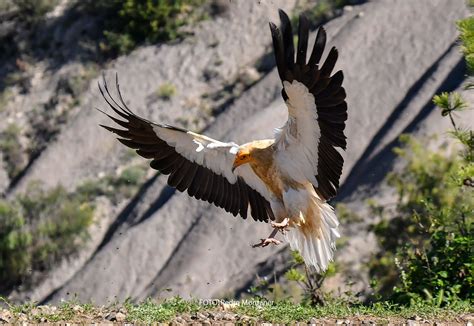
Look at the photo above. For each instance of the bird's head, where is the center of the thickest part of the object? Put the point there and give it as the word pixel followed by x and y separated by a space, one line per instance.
pixel 243 156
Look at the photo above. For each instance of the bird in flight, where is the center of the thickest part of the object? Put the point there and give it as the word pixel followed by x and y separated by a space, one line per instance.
pixel 286 180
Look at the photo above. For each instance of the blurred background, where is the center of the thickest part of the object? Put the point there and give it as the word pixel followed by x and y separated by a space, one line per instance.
pixel 83 217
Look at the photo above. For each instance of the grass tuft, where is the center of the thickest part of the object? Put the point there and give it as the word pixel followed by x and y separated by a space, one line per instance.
pixel 152 312
pixel 287 312
pixel 166 91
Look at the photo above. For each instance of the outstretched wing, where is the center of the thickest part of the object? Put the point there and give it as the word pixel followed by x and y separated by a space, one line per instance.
pixel 317 110
pixel 196 163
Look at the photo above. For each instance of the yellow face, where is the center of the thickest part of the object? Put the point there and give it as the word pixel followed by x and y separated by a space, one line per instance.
pixel 242 157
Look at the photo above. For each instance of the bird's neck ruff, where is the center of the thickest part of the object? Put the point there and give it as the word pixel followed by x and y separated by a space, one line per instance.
pixel 257 153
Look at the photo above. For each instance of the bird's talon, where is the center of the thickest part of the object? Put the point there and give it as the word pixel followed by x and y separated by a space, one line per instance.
pixel 281 226
pixel 265 242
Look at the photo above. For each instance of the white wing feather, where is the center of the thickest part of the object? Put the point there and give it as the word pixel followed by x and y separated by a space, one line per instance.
pixel 297 140
pixel 212 154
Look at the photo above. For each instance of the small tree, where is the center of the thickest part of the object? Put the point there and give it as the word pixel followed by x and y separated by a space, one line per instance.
pixel 430 241
pixel 309 280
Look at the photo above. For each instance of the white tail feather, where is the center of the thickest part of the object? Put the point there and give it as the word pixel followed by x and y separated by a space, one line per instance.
pixel 317 248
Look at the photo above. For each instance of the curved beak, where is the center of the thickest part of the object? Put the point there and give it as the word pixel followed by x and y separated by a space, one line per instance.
pixel 239 160
pixel 234 166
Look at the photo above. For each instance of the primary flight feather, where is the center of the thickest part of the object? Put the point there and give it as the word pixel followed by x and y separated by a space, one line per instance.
pixel 286 180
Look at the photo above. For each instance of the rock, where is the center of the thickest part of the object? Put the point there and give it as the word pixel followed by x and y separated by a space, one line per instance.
pixel 120 317
pixel 180 321
pixel 35 312
pixel 229 306
pixel 201 315
pixel 244 319
pixel 215 315
pixel 78 309
pixel 228 316
pixel 187 318
pixel 111 316
pixel 313 321
pixel 6 316
pixel 249 76
pixel 21 318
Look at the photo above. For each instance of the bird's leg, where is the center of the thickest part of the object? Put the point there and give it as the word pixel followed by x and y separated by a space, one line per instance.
pixel 281 226
pixel 270 240
pixel 277 226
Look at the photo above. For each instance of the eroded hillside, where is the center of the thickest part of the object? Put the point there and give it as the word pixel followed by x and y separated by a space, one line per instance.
pixel 220 78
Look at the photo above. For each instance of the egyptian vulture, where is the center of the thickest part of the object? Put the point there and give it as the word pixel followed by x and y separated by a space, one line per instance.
pixel 286 180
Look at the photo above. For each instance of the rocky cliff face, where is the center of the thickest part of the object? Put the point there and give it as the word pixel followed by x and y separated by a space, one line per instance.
pixel 395 56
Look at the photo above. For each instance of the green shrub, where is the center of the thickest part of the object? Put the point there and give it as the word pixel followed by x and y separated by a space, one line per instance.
pixel 117 43
pixel 37 230
pixel 308 280
pixel 78 83
pixel 298 284
pixel 34 10
pixel 5 97
pixel 466 27
pixel 132 22
pixel 11 149
pixel 319 12
pixel 14 241
pixel 166 91
pixel 430 258
pixel 433 226
pixel 116 188
pixel 6 5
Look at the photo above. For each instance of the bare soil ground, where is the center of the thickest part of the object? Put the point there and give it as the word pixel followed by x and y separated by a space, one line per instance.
pixel 87 314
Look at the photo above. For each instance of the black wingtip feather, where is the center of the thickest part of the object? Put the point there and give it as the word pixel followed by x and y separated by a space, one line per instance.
pixel 303 31
pixel 330 62
pixel 110 95
pixel 288 45
pixel 278 49
pixel 318 47
pixel 116 131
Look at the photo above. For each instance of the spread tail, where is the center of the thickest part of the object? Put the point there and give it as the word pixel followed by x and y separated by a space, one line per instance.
pixel 315 235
